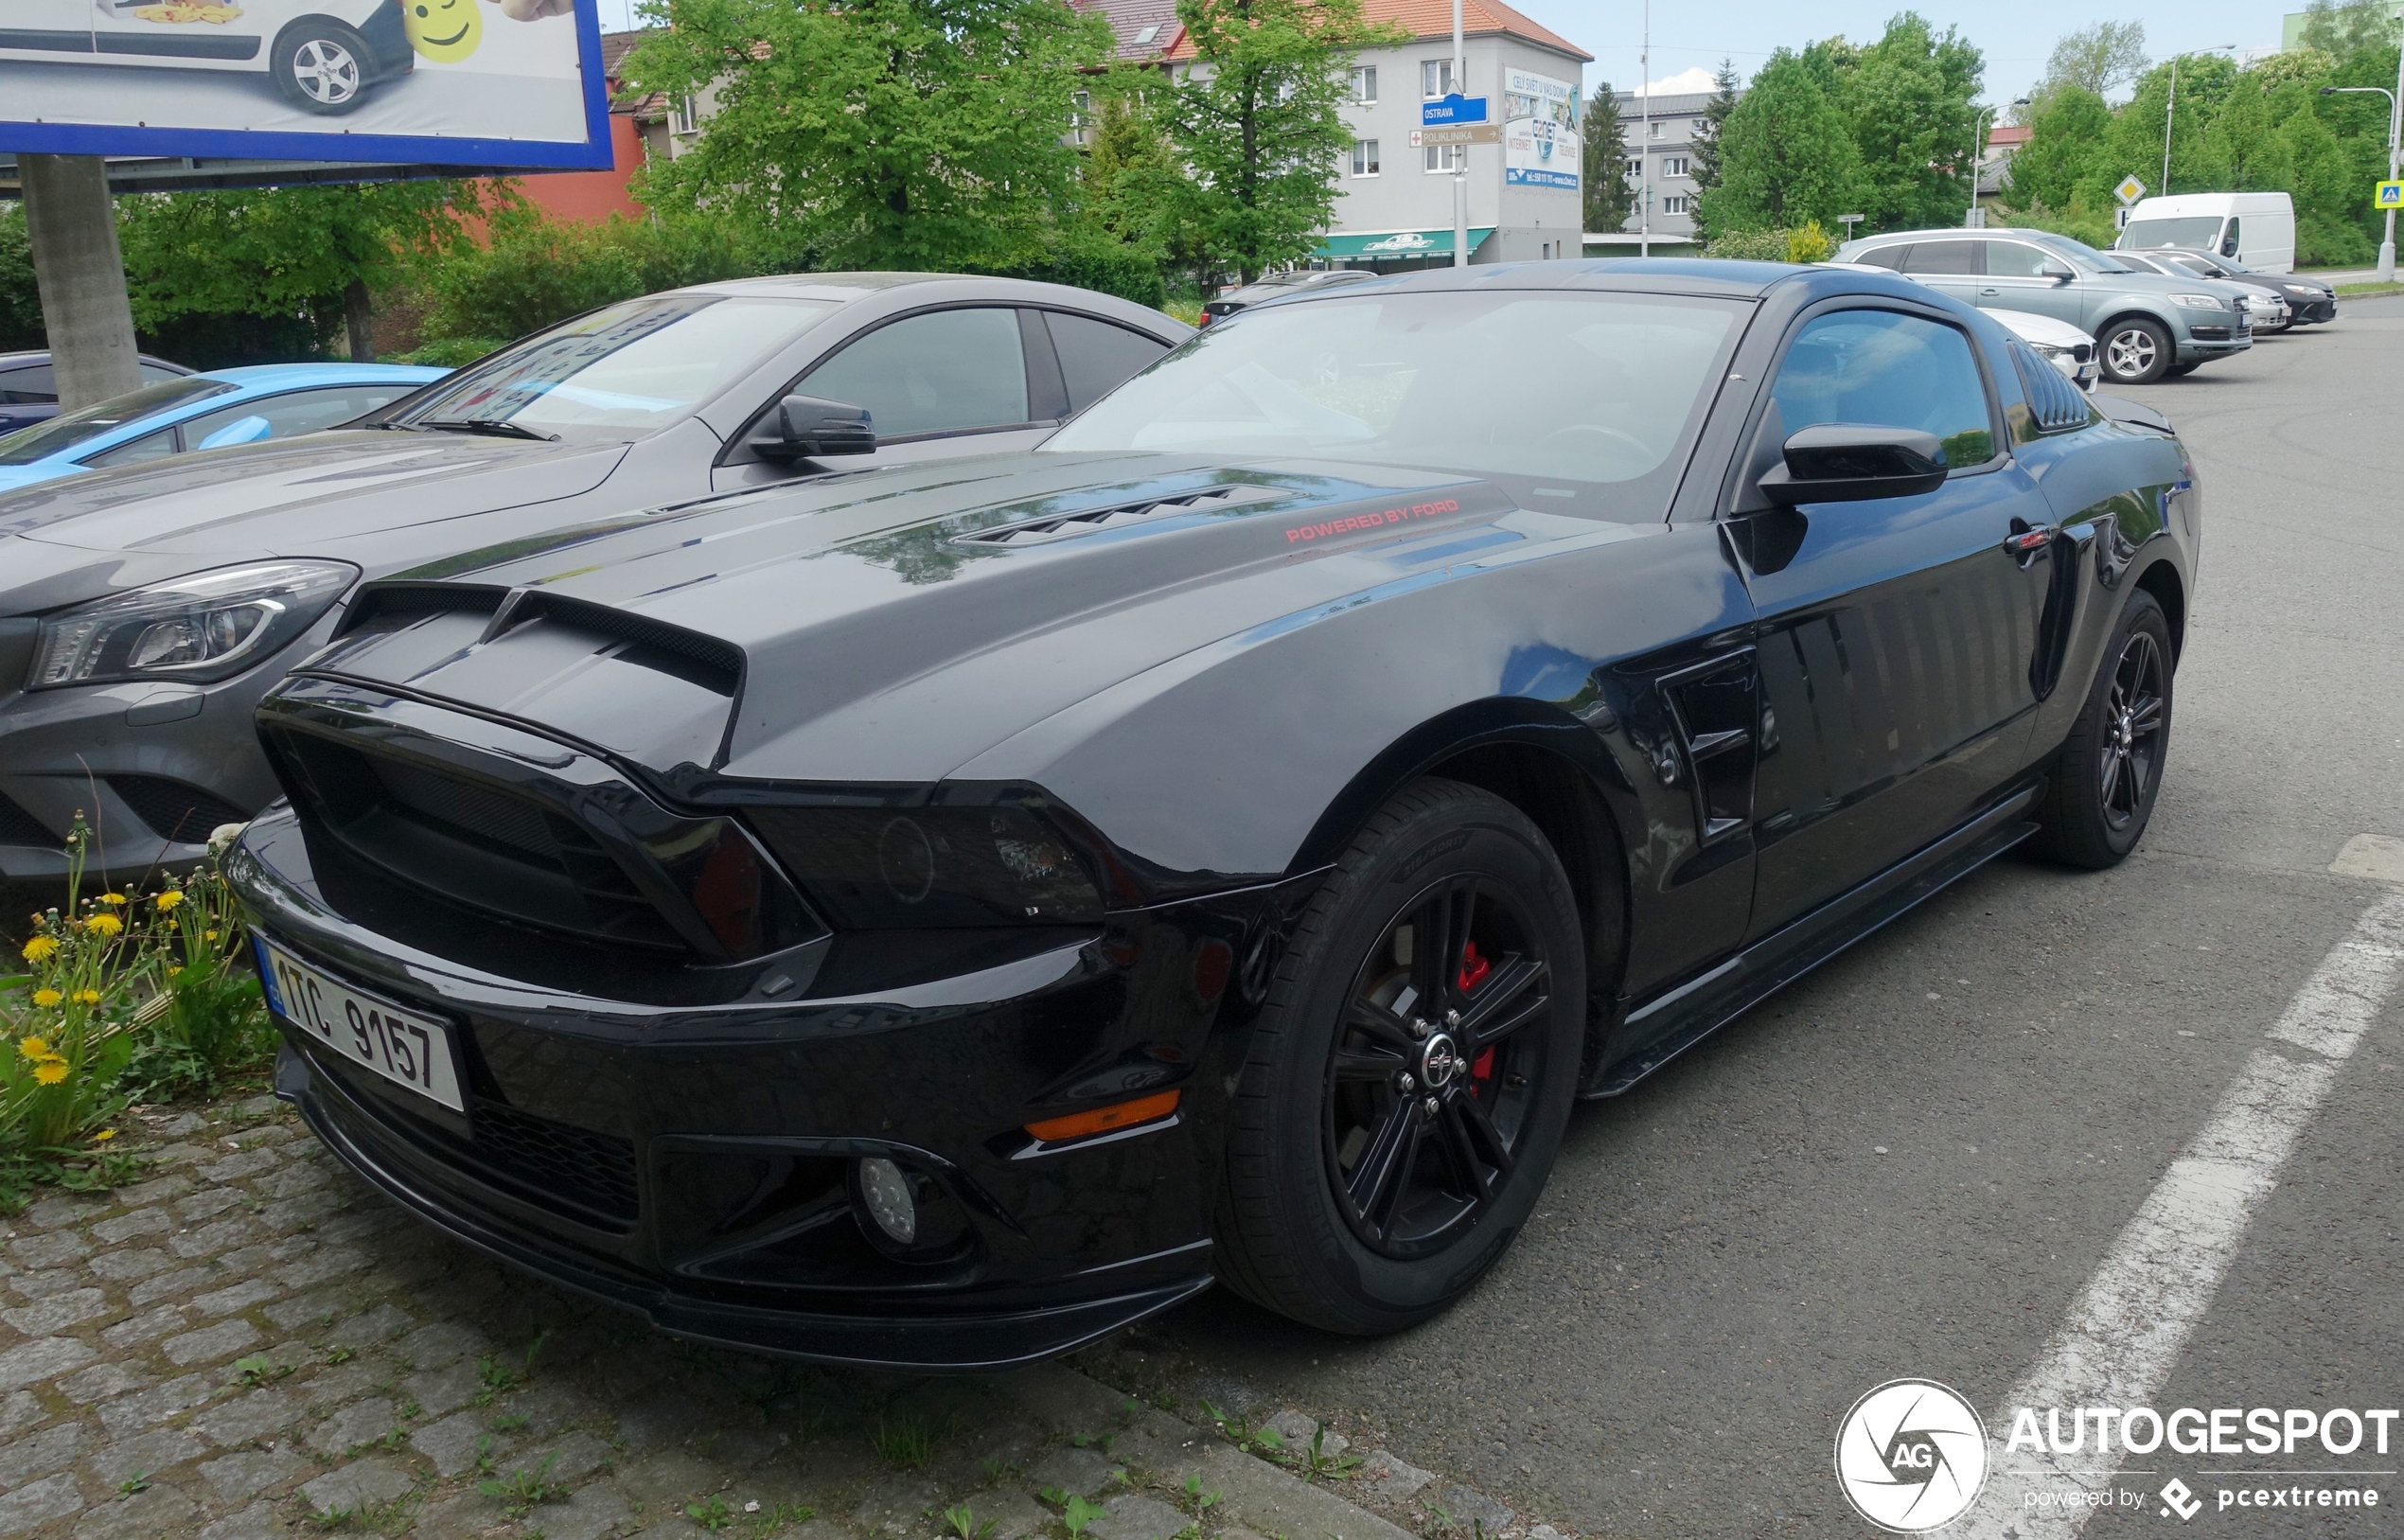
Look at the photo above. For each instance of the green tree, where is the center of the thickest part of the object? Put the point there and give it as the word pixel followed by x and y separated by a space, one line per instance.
pixel 1786 155
pixel 2243 139
pixel 1255 127
pixel 2097 60
pixel 2065 136
pixel 1909 97
pixel 2348 29
pixel 1605 176
pixel 876 133
pixel 1706 141
pixel 20 302
pixel 315 252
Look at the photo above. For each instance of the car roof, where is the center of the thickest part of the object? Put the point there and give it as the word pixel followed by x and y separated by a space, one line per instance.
pixel 286 375
pixel 845 288
pixel 1715 277
pixel 42 355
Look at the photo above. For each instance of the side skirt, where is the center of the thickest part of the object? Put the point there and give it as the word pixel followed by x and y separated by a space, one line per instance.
pixel 1681 1018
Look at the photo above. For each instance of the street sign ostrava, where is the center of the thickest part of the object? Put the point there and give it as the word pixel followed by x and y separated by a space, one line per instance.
pixel 1446 111
pixel 1474 133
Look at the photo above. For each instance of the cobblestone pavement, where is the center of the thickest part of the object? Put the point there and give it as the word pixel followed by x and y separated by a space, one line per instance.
pixel 250 1342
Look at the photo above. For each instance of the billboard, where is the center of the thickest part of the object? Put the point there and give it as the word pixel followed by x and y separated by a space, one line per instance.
pixel 1541 147
pixel 447 82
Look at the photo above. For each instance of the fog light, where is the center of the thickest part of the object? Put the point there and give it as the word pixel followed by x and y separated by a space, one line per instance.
pixel 885 1192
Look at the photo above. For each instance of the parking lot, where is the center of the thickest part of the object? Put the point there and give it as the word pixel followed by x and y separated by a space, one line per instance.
pixel 1913 1163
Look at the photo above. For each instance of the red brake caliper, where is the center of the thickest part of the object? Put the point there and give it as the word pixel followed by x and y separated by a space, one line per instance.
pixel 1474 969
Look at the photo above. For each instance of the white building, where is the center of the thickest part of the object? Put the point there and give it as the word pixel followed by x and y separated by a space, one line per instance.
pixel 1661 138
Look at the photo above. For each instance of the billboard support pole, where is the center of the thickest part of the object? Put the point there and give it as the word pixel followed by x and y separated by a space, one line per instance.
pixel 81 275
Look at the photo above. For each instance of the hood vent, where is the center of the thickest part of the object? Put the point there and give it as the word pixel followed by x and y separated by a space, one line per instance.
pixel 1061 527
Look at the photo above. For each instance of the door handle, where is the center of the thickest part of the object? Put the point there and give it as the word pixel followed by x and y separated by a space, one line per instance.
pixel 1990 291
pixel 2027 542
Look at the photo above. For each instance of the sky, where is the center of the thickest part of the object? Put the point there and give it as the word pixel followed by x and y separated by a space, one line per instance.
pixel 2016 39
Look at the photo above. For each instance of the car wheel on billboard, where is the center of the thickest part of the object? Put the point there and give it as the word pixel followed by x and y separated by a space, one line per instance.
pixel 321 65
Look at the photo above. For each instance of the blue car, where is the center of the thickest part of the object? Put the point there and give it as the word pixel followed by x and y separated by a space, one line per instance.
pixel 204 411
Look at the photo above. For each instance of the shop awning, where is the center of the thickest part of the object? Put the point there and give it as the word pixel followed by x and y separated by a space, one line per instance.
pixel 1392 244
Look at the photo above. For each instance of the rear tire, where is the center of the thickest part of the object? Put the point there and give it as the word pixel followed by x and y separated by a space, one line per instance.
pixel 1405 1087
pixel 2104 783
pixel 321 66
pixel 2135 351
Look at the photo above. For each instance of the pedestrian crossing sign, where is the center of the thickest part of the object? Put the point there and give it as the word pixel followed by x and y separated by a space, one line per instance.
pixel 2390 195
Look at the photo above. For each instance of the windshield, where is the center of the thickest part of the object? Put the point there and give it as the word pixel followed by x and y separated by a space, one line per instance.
pixel 68 428
pixel 1580 400
pixel 641 364
pixel 2193 230
pixel 2085 256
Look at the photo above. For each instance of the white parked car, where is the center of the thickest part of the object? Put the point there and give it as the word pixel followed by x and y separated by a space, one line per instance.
pixel 324 55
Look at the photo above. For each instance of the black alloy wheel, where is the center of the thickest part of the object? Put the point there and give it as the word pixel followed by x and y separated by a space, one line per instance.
pixel 2136 351
pixel 2102 792
pixel 1407 1084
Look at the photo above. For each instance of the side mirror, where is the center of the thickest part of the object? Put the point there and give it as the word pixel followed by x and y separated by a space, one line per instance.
pixel 1846 462
pixel 810 427
pixel 2058 273
pixel 248 430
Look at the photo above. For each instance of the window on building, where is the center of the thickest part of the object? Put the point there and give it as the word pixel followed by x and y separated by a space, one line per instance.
pixel 1081 116
pixel 1675 203
pixel 1364 157
pixel 1635 165
pixel 1655 129
pixel 682 118
pixel 1676 166
pixel 1365 84
pixel 1443 158
pixel 1146 36
pixel 1436 77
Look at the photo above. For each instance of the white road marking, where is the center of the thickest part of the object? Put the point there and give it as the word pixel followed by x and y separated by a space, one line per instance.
pixel 2130 1323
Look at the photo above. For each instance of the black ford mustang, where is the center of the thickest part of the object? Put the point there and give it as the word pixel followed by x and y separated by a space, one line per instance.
pixel 937 915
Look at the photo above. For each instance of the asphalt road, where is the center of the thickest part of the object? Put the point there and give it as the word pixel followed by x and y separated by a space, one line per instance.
pixel 1913 1163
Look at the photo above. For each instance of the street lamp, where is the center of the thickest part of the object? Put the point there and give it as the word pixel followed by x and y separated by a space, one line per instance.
pixel 2170 112
pixel 2395 129
pixel 1977 154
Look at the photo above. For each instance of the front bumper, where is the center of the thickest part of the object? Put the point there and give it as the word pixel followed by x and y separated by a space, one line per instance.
pixel 2314 311
pixel 686 1161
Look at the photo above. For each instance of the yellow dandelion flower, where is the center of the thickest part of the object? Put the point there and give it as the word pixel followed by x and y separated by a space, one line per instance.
pixel 87 996
pixel 169 899
pixel 36 1049
pixel 208 935
pixel 51 1073
pixel 41 949
pixel 46 998
pixel 112 899
pixel 104 925
pixel 103 1136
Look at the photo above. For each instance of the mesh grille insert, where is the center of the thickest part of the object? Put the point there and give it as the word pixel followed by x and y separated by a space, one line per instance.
pixel 175 812
pixel 593 1171
pixel 19 827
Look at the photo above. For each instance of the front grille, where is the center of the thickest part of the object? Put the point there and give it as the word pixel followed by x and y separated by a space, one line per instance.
pixel 478 845
pixel 177 813
pixel 593 1171
pixel 19 827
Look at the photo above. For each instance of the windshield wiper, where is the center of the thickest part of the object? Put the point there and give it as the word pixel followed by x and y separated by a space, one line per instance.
pixel 491 426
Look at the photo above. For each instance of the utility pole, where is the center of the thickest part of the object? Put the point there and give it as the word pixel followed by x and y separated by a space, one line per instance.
pixel 81 276
pixel 1644 138
pixel 1460 155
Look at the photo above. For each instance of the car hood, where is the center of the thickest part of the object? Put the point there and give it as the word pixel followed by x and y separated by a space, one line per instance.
pixel 294 496
pixel 892 624
pixel 2030 326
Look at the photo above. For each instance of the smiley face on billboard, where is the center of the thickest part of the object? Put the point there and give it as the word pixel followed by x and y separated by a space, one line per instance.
pixel 443 30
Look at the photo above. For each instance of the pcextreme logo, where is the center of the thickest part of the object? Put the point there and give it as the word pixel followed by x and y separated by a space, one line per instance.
pixel 1911 1456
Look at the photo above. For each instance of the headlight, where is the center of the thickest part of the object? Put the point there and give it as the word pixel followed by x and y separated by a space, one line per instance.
pixel 209 626
pixel 885 868
pixel 2301 293
pixel 2046 349
pixel 2198 302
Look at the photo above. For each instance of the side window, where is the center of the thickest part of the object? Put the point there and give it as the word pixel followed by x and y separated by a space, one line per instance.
pixel 2012 259
pixel 1943 256
pixel 156 446
pixel 1096 356
pixel 944 372
pixel 299 412
pixel 2229 242
pixel 31 383
pixel 1890 370
pixel 1890 257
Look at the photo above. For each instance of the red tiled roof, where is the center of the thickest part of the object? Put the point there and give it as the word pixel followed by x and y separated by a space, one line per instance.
pixel 1130 18
pixel 1434 19
pixel 2006 137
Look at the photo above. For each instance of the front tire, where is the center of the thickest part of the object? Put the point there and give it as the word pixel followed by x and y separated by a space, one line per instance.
pixel 321 66
pixel 2102 791
pixel 2136 351
pixel 1407 1084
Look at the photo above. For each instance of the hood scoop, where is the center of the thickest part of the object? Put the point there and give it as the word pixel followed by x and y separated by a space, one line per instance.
pixel 1061 527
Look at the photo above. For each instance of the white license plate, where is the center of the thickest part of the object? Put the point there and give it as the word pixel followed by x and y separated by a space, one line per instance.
pixel 403 1046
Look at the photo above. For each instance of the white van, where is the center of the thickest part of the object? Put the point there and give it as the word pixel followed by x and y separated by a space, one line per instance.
pixel 2253 229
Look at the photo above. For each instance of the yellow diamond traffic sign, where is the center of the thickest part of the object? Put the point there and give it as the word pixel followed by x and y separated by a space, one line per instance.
pixel 2390 195
pixel 2129 190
